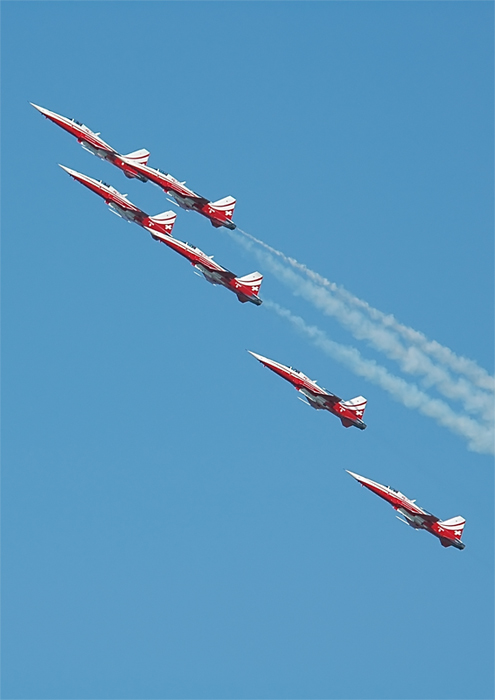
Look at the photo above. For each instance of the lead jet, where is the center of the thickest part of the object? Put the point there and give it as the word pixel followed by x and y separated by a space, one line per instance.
pixel 120 205
pixel 219 213
pixel 350 412
pixel 246 288
pixel 92 142
pixel 449 532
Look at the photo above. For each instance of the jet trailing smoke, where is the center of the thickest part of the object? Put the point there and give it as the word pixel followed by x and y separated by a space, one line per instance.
pixel 480 437
pixel 446 357
pixel 411 350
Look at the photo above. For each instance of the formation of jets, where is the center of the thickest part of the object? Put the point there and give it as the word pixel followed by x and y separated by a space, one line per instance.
pixel 220 213
pixel 134 165
pixel 160 227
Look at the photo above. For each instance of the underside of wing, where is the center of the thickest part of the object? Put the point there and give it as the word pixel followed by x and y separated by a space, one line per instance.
pixel 226 275
pixel 214 274
pixel 421 515
pixel 330 398
pixel 325 400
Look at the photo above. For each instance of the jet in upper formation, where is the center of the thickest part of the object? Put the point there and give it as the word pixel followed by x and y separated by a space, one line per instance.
pixel 120 205
pixel 134 165
pixel 350 412
pixel 449 532
pixel 92 142
pixel 219 213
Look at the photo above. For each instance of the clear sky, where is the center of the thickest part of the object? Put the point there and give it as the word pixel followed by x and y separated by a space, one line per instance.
pixel 175 523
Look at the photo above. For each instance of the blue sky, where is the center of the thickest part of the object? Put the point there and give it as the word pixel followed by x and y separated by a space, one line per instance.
pixel 175 523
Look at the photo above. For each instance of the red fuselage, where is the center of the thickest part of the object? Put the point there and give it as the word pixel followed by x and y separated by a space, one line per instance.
pixel 163 223
pixel 212 271
pixel 218 214
pixel 317 397
pixel 449 532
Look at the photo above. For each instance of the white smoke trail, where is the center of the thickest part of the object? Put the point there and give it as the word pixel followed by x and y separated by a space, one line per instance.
pixel 480 438
pixel 462 365
pixel 411 359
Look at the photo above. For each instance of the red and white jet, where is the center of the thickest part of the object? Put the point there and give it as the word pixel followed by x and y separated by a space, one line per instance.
pixel 449 532
pixel 92 142
pixel 246 288
pixel 120 205
pixel 219 213
pixel 350 412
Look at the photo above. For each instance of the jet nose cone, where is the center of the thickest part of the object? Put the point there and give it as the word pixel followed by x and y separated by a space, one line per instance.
pixel 40 109
pixel 260 358
pixel 355 476
pixel 68 170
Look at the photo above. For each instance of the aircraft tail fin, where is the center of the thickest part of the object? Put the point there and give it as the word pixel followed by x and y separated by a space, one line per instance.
pixel 247 288
pixel 163 223
pixel 450 531
pixel 356 407
pixel 140 156
pixel 222 212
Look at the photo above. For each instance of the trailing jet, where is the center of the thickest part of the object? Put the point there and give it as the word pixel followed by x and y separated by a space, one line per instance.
pixel 92 142
pixel 350 412
pixel 219 213
pixel 246 288
pixel 120 205
pixel 449 532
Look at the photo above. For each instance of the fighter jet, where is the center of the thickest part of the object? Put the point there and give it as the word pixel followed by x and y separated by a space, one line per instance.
pixel 449 532
pixel 219 213
pixel 246 288
pixel 120 205
pixel 92 142
pixel 350 412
